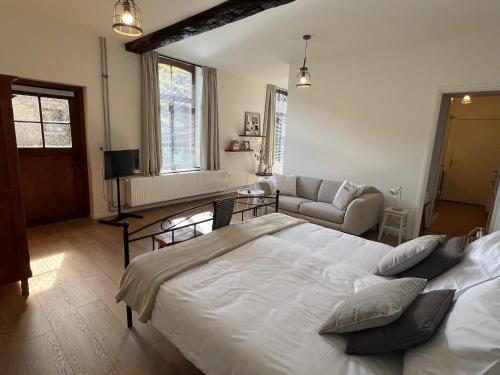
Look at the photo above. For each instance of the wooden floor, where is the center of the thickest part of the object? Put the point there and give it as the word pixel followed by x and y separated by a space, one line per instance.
pixel 457 219
pixel 70 324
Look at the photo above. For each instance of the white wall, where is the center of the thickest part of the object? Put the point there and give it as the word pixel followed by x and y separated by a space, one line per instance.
pixel 238 94
pixel 372 117
pixel 38 49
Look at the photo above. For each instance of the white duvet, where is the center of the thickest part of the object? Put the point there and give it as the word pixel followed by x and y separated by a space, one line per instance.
pixel 257 309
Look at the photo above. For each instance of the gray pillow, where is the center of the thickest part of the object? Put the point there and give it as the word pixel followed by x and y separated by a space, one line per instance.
pixel 407 255
pixel 375 306
pixel 441 259
pixel 417 325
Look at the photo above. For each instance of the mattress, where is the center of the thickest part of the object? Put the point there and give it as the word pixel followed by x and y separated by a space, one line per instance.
pixel 257 309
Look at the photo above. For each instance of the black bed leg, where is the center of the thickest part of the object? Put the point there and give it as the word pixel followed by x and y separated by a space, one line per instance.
pixel 129 317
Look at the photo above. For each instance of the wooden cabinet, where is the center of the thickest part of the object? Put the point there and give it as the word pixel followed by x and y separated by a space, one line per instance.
pixel 14 254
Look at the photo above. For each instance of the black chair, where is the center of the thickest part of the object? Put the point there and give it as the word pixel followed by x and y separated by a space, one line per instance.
pixel 223 212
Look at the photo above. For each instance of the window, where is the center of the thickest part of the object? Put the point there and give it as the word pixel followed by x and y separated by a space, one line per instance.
pixel 41 121
pixel 279 138
pixel 179 132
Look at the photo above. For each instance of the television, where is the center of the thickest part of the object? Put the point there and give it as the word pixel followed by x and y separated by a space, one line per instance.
pixel 121 163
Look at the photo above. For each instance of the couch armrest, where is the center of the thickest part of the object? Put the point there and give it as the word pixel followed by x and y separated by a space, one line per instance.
pixel 267 186
pixel 363 213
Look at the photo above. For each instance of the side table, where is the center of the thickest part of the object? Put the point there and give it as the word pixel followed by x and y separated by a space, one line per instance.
pixel 255 196
pixel 400 227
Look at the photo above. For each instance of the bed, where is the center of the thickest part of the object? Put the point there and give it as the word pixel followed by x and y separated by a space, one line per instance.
pixel 257 308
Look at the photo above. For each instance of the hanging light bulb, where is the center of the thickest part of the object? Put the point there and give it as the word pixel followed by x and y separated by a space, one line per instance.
pixel 127 19
pixel 304 77
pixel 466 100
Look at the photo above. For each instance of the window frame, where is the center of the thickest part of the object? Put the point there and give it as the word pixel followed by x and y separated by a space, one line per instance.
pixel 280 91
pixel 191 68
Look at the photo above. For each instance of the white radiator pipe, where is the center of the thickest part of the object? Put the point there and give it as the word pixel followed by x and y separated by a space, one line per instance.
pixel 107 117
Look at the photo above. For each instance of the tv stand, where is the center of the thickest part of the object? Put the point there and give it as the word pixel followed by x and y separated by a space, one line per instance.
pixel 121 215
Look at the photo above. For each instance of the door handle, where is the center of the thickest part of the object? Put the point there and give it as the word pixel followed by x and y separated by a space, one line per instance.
pixel 79 160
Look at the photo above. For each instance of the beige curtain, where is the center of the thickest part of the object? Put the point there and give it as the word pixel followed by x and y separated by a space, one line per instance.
pixel 210 118
pixel 270 124
pixel 151 120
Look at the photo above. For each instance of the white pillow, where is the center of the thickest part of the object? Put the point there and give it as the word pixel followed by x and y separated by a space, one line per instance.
pixel 468 341
pixel 347 192
pixel 287 185
pixel 408 255
pixel 481 263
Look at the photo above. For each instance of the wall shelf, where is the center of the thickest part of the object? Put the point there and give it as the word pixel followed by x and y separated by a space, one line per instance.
pixel 251 136
pixel 239 150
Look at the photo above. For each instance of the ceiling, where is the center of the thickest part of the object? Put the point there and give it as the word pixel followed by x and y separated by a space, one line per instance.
pixel 265 44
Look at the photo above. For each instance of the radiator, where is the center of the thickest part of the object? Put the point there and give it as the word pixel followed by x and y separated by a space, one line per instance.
pixel 142 191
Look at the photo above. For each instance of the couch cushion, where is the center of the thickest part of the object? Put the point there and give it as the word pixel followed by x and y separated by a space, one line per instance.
pixel 308 187
pixel 290 203
pixel 321 210
pixel 286 184
pixel 327 191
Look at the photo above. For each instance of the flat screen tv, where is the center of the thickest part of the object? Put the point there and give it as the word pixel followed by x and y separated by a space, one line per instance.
pixel 121 163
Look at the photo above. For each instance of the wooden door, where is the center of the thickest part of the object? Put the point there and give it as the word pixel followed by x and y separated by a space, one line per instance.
pixel 472 157
pixel 14 255
pixel 51 145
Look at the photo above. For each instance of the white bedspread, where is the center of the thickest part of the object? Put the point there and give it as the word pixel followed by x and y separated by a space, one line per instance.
pixel 257 309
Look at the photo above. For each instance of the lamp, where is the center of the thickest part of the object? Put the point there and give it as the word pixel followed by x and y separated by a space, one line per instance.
pixel 466 100
pixel 304 77
pixel 127 19
pixel 398 190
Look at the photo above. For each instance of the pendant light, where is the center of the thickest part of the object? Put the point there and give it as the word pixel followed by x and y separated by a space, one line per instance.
pixel 304 77
pixel 127 19
pixel 466 100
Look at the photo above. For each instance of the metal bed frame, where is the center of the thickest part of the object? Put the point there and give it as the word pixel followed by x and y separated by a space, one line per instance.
pixel 221 216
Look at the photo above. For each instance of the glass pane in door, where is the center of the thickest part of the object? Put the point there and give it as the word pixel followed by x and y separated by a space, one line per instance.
pixel 26 108
pixel 29 134
pixel 55 109
pixel 57 135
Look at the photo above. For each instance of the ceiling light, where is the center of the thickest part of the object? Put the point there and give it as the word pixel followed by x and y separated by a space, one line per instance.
pixel 466 100
pixel 127 19
pixel 304 77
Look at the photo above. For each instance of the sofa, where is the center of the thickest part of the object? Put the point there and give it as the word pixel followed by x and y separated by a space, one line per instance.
pixel 314 203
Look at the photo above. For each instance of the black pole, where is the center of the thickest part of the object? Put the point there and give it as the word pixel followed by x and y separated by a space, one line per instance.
pixel 277 201
pixel 121 215
pixel 126 257
pixel 118 195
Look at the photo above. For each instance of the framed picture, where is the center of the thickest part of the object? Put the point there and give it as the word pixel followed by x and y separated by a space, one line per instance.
pixel 252 123
pixel 234 145
pixel 245 145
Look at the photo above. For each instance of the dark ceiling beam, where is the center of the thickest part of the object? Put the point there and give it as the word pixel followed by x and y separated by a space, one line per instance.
pixel 228 12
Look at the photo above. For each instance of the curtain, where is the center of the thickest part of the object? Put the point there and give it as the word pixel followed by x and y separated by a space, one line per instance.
pixel 210 118
pixel 270 124
pixel 151 119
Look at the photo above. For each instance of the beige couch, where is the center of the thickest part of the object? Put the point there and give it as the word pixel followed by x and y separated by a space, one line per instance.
pixel 314 203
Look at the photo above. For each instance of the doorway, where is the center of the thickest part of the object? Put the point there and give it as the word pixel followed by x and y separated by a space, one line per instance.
pixel 466 163
pixel 50 135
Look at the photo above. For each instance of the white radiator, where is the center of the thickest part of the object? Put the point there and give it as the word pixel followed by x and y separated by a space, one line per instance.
pixel 148 190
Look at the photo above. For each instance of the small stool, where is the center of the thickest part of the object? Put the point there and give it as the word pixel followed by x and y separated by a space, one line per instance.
pixel 399 214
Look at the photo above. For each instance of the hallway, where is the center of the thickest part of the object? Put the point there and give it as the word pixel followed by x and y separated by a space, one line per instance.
pixel 457 219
